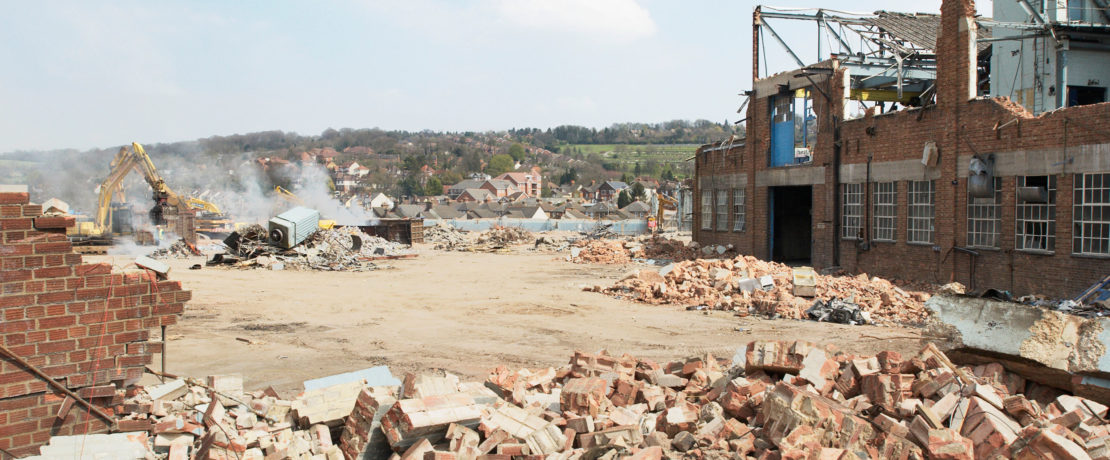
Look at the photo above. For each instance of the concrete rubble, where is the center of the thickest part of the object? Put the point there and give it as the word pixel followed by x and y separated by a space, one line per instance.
pixel 643 248
pixel 446 237
pixel 775 400
pixel 752 286
pixel 336 249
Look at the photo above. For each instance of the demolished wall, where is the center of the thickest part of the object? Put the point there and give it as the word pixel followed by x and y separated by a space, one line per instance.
pixel 84 325
pixel 888 148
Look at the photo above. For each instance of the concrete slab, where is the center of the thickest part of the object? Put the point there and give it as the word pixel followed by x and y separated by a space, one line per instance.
pixel 1046 346
pixel 378 376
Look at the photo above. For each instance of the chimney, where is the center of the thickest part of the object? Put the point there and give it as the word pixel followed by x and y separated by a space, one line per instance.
pixel 957 55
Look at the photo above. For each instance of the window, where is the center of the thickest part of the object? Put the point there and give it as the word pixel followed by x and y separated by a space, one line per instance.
pixel 885 199
pixel 722 210
pixel 687 210
pixel 1091 215
pixel 1036 214
pixel 920 211
pixel 738 212
pixel 984 219
pixel 852 212
pixel 706 210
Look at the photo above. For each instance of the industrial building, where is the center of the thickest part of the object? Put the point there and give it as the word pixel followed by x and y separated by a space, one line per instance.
pixel 902 153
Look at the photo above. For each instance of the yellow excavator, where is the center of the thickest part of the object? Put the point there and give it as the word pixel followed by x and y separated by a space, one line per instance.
pixel 665 202
pixel 112 219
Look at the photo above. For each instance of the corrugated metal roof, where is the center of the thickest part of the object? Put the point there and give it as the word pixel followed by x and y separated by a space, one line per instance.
pixel 919 29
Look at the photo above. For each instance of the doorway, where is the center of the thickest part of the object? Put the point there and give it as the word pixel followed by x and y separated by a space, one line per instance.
pixel 792 224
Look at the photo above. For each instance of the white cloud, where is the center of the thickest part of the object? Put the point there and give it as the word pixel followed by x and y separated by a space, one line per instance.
pixel 620 20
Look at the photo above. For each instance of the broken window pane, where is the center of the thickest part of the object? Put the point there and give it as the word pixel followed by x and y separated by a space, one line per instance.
pixel 1036 219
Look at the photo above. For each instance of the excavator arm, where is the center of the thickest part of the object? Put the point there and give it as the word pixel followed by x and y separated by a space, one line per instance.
pixel 163 196
pixel 120 166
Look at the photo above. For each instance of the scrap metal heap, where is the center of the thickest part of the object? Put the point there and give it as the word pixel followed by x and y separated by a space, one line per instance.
pixel 774 399
pixel 335 249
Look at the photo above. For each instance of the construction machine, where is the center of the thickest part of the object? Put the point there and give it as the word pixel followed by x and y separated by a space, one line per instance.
pixel 288 196
pixel 114 218
pixel 667 203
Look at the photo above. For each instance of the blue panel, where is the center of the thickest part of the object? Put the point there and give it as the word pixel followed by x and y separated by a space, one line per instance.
pixel 378 376
pixel 782 143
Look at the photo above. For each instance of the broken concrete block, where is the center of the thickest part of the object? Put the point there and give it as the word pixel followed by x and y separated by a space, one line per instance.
pixel 328 405
pixel 411 420
pixel 168 391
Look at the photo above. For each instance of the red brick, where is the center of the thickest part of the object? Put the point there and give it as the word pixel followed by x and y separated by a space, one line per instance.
pixel 53 272
pixel 54 222
pixel 54 247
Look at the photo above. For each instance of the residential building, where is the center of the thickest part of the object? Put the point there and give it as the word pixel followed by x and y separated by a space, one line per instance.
pixel 946 185
pixel 476 195
pixel 379 200
pixel 636 210
pixel 455 190
pixel 530 183
pixel 608 190
pixel 499 188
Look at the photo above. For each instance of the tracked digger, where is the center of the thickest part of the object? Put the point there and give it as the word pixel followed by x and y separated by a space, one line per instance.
pixel 113 219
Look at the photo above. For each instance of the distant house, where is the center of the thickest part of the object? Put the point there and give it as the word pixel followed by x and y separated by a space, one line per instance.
pixel 481 213
pixel 636 210
pixel 572 213
pixel 600 210
pixel 609 190
pixel 479 195
pixel 454 191
pixel 379 200
pixel 446 211
pixel 409 210
pixel 530 183
pixel 500 188
pixel 357 170
pixel 528 212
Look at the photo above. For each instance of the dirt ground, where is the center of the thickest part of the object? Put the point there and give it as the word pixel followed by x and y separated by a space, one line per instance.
pixel 465 313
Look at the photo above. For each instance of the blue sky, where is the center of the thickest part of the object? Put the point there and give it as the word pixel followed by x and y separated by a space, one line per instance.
pixel 95 74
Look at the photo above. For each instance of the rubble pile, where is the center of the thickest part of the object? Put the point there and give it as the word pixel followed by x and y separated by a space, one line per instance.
pixel 502 237
pixel 336 249
pixel 775 399
pixel 645 248
pixel 180 249
pixel 600 252
pixel 747 284
pixel 551 243
pixel 446 237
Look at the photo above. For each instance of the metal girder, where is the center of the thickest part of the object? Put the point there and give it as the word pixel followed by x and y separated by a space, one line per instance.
pixel 838 37
pixel 783 43
pixel 1103 8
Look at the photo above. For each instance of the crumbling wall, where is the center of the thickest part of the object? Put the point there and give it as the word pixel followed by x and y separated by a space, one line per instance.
pixel 1075 140
pixel 84 325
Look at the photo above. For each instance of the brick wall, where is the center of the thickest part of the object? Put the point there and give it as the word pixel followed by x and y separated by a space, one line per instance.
pixel 84 325
pixel 960 127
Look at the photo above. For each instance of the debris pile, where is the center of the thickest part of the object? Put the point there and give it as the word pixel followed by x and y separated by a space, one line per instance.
pixel 504 236
pixel 336 249
pixel 446 237
pixel 647 248
pixel 774 399
pixel 180 249
pixel 747 284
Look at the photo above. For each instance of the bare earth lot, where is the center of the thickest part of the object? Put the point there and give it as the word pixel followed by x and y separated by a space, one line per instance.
pixel 465 313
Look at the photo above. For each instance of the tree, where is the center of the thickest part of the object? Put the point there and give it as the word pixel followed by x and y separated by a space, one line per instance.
pixel 516 151
pixel 433 187
pixel 627 178
pixel 568 176
pixel 624 199
pixel 498 164
pixel 668 174
pixel 638 192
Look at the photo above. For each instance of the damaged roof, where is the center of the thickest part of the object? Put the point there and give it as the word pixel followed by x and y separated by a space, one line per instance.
pixel 917 29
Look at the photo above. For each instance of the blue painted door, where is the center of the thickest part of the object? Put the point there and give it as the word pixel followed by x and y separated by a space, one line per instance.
pixel 782 131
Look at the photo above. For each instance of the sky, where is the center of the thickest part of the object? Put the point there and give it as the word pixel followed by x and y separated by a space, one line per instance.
pixel 80 74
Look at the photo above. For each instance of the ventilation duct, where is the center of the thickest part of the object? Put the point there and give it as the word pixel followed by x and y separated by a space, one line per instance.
pixel 980 177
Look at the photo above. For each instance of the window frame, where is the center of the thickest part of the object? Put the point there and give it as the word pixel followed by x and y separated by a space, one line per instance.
pixel 981 217
pixel 707 209
pixel 889 202
pixel 1081 224
pixel 921 212
pixel 739 209
pixel 721 204
pixel 846 214
pixel 1037 213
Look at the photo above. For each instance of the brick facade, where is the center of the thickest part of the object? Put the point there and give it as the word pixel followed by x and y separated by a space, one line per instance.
pixel 1061 144
pixel 84 325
